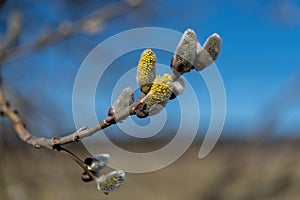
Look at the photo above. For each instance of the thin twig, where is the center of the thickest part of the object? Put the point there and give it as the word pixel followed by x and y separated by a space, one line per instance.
pixel 91 22
pixel 13 30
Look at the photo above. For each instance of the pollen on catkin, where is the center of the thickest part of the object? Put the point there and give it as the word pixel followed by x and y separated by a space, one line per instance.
pixel 111 181
pixel 146 71
pixel 159 94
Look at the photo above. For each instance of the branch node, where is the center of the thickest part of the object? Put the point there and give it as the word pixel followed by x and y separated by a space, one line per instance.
pixel 76 138
pixel 109 120
pixel 55 140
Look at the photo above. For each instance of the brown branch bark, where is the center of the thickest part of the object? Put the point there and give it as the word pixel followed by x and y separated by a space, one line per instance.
pixel 76 136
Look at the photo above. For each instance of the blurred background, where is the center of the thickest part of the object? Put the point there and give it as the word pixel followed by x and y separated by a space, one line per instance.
pixel 43 43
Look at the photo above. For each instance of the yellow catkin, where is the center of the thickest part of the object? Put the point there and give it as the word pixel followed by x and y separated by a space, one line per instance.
pixel 160 92
pixel 111 181
pixel 146 71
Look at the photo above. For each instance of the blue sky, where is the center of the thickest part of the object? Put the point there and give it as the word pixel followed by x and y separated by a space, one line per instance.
pixel 260 54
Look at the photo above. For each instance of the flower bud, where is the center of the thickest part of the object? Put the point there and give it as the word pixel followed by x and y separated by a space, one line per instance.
pixel 157 98
pixel 124 100
pixel 146 70
pixel 185 54
pixel 85 177
pixel 111 181
pixel 207 54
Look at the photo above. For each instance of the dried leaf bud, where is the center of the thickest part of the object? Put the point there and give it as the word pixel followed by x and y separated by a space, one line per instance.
pixel 185 54
pixel 207 54
pixel 111 181
pixel 85 177
pixel 111 112
pixel 159 95
pixel 146 70
pixel 140 110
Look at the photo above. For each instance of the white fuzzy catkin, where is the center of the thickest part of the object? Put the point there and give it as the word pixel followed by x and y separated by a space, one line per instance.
pixel 124 100
pixel 207 54
pixel 186 49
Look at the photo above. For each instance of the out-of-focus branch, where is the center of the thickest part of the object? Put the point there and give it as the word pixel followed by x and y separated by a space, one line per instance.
pixel 2 2
pixel 89 24
pixel 278 106
pixel 13 31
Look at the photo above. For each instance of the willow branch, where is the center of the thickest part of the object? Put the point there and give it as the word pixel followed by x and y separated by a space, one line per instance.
pixel 50 143
pixel 179 67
